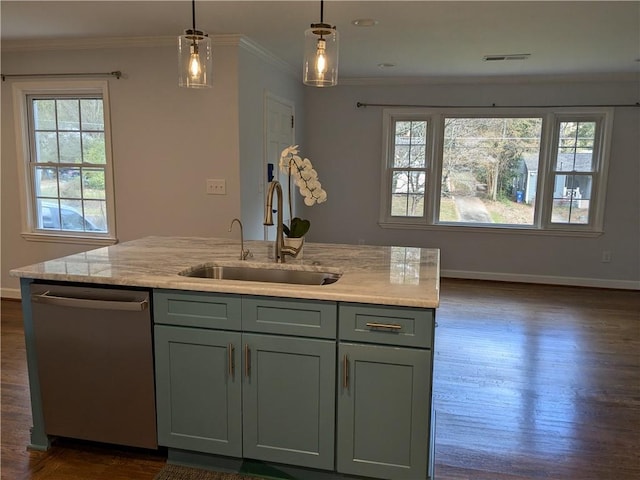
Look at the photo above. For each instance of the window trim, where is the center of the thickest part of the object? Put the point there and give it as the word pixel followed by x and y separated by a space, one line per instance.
pixel 21 92
pixel 601 149
pixel 551 119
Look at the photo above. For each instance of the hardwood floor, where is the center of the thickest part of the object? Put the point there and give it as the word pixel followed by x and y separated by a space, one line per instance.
pixel 531 382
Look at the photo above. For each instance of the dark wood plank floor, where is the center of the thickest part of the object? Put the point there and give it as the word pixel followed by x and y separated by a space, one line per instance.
pixel 531 382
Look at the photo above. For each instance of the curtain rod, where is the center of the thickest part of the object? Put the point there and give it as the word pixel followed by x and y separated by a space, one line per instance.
pixel 493 105
pixel 116 74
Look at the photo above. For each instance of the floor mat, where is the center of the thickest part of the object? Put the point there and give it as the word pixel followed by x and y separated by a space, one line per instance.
pixel 177 472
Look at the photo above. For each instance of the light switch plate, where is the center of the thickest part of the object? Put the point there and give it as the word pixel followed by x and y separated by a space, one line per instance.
pixel 216 186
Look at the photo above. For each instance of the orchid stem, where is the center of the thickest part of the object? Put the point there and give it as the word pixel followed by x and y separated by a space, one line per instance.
pixel 289 192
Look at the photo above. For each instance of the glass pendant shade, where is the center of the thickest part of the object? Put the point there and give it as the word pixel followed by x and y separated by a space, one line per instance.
pixel 320 56
pixel 195 60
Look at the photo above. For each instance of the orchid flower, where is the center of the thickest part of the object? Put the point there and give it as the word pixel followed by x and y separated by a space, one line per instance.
pixel 306 178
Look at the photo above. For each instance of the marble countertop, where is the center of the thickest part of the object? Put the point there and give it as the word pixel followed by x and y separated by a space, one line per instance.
pixel 402 276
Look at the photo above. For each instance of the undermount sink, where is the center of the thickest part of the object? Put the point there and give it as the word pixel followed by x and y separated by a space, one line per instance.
pixel 261 274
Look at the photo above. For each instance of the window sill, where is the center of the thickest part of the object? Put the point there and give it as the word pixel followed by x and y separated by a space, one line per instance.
pixel 62 238
pixel 509 230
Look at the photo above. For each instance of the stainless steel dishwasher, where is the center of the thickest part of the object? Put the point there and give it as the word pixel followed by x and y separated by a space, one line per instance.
pixel 95 363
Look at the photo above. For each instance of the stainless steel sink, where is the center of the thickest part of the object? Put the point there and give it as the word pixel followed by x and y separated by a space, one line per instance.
pixel 259 274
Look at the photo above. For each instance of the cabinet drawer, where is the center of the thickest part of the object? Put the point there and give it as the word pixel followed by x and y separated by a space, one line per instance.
pixel 193 309
pixel 412 327
pixel 289 317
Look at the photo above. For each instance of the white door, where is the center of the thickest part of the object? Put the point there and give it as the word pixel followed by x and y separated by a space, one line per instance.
pixel 279 134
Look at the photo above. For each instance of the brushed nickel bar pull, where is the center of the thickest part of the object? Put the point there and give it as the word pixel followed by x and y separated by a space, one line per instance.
pixel 391 326
pixel 345 372
pixel 247 359
pixel 230 351
pixel 100 304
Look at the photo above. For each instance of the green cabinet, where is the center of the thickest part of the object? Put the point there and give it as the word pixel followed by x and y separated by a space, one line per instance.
pixel 339 387
pixel 289 400
pixel 199 389
pixel 384 421
pixel 383 411
pixel 197 309
pixel 245 393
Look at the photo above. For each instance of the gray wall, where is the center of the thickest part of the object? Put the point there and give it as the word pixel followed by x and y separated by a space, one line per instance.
pixel 259 76
pixel 346 149
pixel 167 141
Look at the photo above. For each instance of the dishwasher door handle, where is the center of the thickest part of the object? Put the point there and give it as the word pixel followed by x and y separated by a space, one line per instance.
pixel 102 304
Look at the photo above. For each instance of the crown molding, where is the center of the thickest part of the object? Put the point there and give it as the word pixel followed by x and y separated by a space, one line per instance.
pixel 267 56
pixel 484 80
pixel 225 40
pixel 92 43
pixel 241 41
pixel 85 43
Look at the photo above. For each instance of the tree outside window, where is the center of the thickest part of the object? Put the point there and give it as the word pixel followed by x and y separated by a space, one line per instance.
pixel 533 170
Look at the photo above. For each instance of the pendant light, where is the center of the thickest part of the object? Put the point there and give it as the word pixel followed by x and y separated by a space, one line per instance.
pixel 194 56
pixel 320 67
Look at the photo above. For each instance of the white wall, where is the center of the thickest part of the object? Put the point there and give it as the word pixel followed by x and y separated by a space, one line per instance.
pixel 166 141
pixel 346 150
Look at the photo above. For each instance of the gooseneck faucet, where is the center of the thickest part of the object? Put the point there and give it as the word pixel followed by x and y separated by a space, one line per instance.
pixel 243 253
pixel 280 250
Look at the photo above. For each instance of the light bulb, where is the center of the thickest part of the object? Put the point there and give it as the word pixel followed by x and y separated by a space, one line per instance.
pixel 195 69
pixel 321 57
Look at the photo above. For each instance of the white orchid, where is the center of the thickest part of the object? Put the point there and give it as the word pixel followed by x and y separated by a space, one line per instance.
pixel 304 191
pixel 306 179
pixel 290 150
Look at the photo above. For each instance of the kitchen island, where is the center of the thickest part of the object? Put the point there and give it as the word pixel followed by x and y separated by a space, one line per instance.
pixel 320 380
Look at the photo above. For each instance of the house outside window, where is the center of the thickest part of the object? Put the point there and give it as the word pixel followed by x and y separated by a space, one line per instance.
pixel 65 161
pixel 574 170
pixel 529 170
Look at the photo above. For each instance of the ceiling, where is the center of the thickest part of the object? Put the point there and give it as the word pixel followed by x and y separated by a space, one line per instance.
pixel 420 38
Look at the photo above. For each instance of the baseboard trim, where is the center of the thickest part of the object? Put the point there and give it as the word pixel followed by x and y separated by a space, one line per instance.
pixel 543 279
pixel 13 293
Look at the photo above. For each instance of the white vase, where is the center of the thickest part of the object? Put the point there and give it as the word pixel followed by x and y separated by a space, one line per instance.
pixel 296 243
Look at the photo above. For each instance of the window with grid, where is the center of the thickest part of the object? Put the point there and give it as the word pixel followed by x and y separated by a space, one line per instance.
pixel 408 173
pixel 573 172
pixel 541 169
pixel 68 190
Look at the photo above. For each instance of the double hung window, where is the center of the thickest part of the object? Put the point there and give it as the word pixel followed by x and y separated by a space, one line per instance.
pixel 66 164
pixel 539 170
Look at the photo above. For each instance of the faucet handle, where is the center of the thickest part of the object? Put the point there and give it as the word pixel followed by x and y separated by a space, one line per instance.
pixel 291 250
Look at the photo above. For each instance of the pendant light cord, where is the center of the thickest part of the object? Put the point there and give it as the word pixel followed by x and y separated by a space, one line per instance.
pixel 321 11
pixel 193 14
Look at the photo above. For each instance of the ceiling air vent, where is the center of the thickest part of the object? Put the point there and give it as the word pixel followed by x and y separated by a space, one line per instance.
pixel 511 56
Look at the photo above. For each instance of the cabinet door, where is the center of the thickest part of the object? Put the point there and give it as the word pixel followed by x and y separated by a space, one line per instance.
pixel 289 400
pixel 383 411
pixel 199 389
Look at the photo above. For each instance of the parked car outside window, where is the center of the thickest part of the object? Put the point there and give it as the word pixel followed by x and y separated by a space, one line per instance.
pixel 55 217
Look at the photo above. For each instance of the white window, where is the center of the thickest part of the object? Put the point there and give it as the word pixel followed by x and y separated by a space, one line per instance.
pixel 65 161
pixel 540 170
